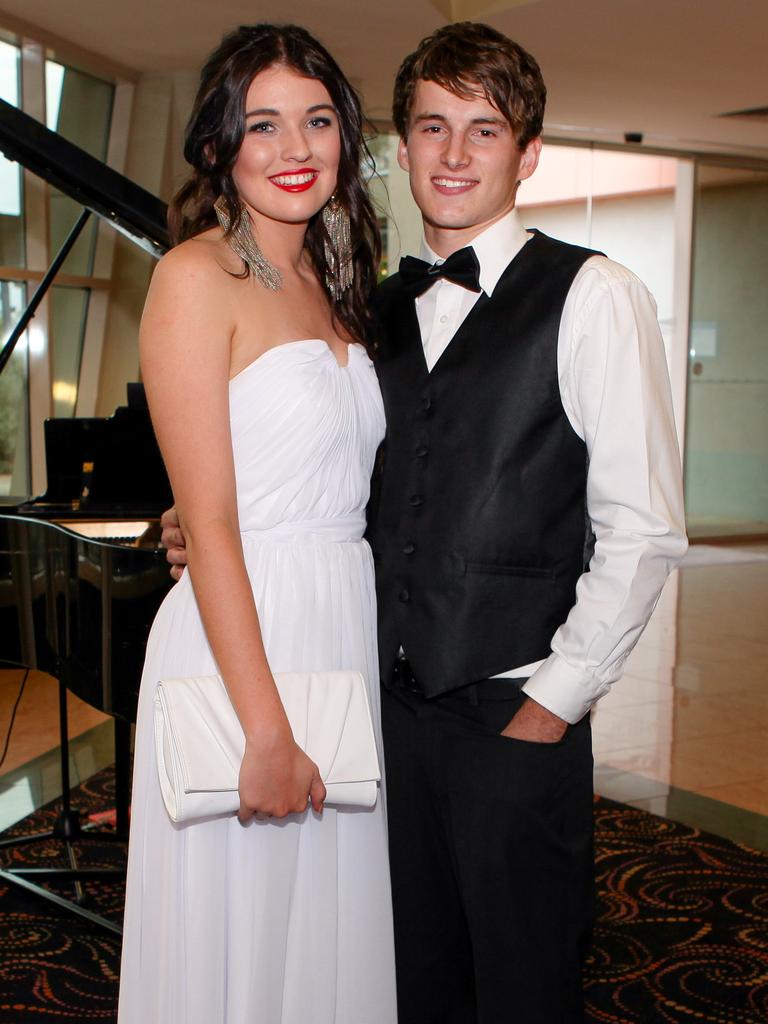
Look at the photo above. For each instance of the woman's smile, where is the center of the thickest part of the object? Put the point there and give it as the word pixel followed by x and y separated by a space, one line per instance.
pixel 295 181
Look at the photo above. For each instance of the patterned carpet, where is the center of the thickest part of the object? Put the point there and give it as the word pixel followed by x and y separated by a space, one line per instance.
pixel 682 932
pixel 55 966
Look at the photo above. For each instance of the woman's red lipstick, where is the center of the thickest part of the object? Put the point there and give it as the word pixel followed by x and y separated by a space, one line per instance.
pixel 295 181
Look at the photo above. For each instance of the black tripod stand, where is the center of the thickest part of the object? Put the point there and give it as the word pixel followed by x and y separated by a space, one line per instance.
pixel 68 830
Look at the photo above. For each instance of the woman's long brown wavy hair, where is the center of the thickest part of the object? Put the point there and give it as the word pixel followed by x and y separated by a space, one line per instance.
pixel 215 133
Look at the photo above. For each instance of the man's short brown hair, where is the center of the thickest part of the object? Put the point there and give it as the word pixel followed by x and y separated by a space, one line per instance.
pixel 469 56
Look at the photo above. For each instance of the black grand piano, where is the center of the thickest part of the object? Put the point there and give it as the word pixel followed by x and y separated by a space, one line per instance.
pixel 81 571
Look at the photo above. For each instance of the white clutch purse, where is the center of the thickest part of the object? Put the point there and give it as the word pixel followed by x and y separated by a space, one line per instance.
pixel 200 742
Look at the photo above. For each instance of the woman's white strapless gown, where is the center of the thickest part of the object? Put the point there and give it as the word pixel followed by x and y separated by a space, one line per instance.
pixel 277 922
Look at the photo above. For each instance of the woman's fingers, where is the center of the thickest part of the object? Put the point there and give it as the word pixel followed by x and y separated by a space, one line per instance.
pixel 317 792
pixel 176 555
pixel 316 797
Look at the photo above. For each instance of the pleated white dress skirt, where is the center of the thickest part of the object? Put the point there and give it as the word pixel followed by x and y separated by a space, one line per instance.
pixel 290 921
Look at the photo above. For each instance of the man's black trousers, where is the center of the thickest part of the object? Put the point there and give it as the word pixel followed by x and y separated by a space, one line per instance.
pixel 491 859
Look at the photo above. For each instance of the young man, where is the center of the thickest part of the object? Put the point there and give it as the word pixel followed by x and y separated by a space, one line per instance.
pixel 527 514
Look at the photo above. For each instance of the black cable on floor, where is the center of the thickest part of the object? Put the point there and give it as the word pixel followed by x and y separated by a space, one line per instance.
pixel 16 703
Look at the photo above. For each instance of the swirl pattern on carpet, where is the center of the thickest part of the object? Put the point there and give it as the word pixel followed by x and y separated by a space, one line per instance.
pixel 55 966
pixel 682 924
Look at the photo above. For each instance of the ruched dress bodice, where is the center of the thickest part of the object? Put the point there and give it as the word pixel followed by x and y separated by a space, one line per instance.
pixel 304 436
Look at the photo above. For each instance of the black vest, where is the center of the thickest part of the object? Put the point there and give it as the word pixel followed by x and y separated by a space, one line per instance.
pixel 478 513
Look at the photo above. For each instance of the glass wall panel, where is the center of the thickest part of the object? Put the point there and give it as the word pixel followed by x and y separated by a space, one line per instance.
pixel 11 211
pixel 726 463
pixel 14 471
pixel 557 198
pixel 79 107
pixel 69 307
pixel 622 204
pixel 376 176
pixel 400 219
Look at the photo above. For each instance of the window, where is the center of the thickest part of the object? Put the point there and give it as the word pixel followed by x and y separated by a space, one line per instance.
pixel 78 106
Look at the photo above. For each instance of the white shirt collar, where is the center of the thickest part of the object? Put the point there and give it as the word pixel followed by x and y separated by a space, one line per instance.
pixel 495 249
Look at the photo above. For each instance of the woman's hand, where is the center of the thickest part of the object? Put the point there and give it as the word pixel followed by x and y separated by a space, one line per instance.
pixel 277 778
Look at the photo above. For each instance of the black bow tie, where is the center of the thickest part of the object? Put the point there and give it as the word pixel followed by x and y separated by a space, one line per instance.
pixel 461 267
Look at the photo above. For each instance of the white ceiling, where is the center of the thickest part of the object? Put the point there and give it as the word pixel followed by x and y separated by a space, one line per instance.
pixel 666 68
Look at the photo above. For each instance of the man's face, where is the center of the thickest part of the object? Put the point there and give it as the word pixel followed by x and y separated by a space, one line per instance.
pixel 463 162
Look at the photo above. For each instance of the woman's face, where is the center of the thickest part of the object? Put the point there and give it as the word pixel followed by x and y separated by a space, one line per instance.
pixel 289 159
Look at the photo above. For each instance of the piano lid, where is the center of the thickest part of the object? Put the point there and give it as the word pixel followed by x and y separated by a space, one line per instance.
pixel 130 208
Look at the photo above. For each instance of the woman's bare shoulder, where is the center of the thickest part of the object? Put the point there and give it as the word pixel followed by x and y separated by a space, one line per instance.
pixel 206 256
pixel 189 293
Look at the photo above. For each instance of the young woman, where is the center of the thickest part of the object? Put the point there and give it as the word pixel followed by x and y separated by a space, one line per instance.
pixel 268 413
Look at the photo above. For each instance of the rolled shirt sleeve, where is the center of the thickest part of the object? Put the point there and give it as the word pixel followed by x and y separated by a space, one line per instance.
pixel 615 389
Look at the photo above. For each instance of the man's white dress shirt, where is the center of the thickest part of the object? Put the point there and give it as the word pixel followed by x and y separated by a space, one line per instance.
pixel 614 387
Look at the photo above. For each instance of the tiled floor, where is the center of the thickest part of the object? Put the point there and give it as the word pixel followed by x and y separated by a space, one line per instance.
pixel 31 773
pixel 683 734
pixel 36 728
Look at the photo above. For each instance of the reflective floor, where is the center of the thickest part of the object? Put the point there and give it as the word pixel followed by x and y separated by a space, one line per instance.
pixel 684 734
pixel 30 776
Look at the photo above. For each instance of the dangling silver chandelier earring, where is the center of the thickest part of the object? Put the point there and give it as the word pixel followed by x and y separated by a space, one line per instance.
pixel 338 248
pixel 243 244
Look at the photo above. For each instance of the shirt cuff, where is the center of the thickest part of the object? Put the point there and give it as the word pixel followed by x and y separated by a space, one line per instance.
pixel 564 690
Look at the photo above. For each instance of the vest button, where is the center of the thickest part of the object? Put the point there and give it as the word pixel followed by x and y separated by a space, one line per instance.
pixel 415 500
pixel 421 451
pixel 404 596
pixel 426 403
pixel 409 548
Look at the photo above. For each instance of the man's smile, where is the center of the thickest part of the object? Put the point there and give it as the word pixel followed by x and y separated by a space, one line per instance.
pixel 453 186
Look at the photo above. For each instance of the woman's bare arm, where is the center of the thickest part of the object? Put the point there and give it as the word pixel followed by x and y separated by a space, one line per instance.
pixel 185 356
